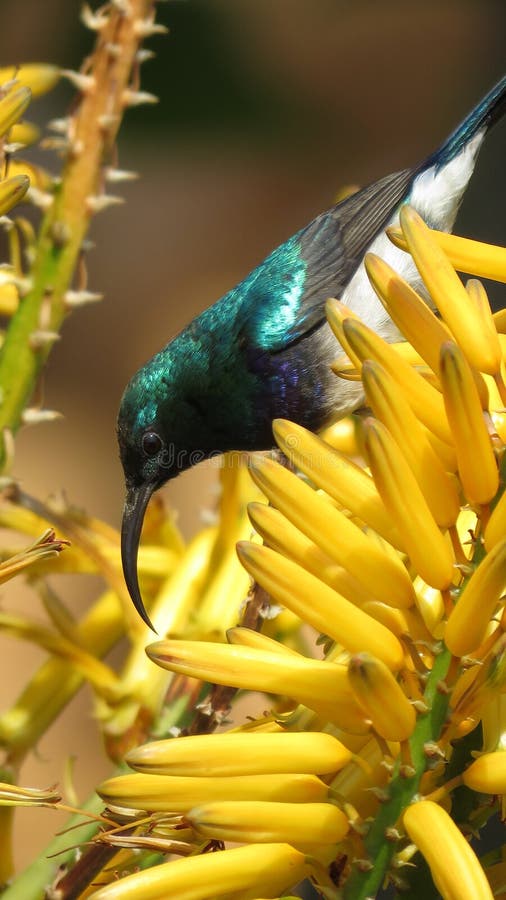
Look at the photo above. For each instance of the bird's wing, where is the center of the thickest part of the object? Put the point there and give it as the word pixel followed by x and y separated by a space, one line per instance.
pixel 287 292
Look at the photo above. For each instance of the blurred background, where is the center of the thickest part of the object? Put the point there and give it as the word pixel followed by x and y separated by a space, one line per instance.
pixel 266 110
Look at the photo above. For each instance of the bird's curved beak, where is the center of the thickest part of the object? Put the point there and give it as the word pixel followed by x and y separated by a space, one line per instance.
pixel 136 502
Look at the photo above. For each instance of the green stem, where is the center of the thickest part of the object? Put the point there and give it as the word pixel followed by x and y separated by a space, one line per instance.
pixel 402 789
pixel 93 131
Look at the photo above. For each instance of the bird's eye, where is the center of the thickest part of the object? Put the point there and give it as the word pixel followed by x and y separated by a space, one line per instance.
pixel 151 443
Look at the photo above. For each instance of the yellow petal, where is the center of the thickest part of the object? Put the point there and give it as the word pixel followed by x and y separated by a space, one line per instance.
pixel 263 822
pixel 476 461
pixel 425 545
pixel 382 576
pixel 454 866
pixel 242 753
pixel 319 605
pixel 382 698
pixel 275 869
pixel 470 618
pixel 465 255
pixel 448 292
pixel 430 604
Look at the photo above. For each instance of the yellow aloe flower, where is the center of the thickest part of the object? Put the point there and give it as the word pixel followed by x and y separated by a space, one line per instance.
pixel 412 316
pixel 383 576
pixel 448 293
pixel 425 400
pixel 258 821
pixel 473 257
pixel 236 753
pixel 242 869
pixel 335 474
pixel 12 190
pixel 453 864
pixel 180 793
pixel 38 77
pixel 328 612
pixel 476 461
pixel 314 683
pixel 385 703
pixel 424 543
pixel 13 103
pixel 394 411
pixel 468 622
pixel 487 774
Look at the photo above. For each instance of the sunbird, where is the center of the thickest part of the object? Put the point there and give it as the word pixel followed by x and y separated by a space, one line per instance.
pixel 263 350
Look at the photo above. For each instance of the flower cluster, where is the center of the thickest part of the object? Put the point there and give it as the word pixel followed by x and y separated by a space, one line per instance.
pixel 390 542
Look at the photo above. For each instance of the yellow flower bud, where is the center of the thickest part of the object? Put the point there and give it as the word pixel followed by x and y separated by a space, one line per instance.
pixel 179 794
pixel 428 550
pixel 243 869
pixel 320 606
pixel 322 686
pixel 382 698
pixel 12 191
pixel 242 753
pixel 465 255
pixel 425 401
pixel 257 821
pixel 414 319
pixel 393 409
pixel 454 866
pixel 382 576
pixel 487 774
pixel 338 476
pixel 476 461
pixel 449 294
pixel 496 525
pixel 469 619
pixel 12 107
pixel 39 77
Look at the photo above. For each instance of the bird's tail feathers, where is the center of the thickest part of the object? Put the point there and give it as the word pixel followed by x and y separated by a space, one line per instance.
pixel 488 111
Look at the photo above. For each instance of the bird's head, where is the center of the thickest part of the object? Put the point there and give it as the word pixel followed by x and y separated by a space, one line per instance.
pixel 165 425
pixel 151 430
pixel 149 460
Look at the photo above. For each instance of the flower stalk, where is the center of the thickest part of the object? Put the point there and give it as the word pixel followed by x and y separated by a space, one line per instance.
pixel 90 137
